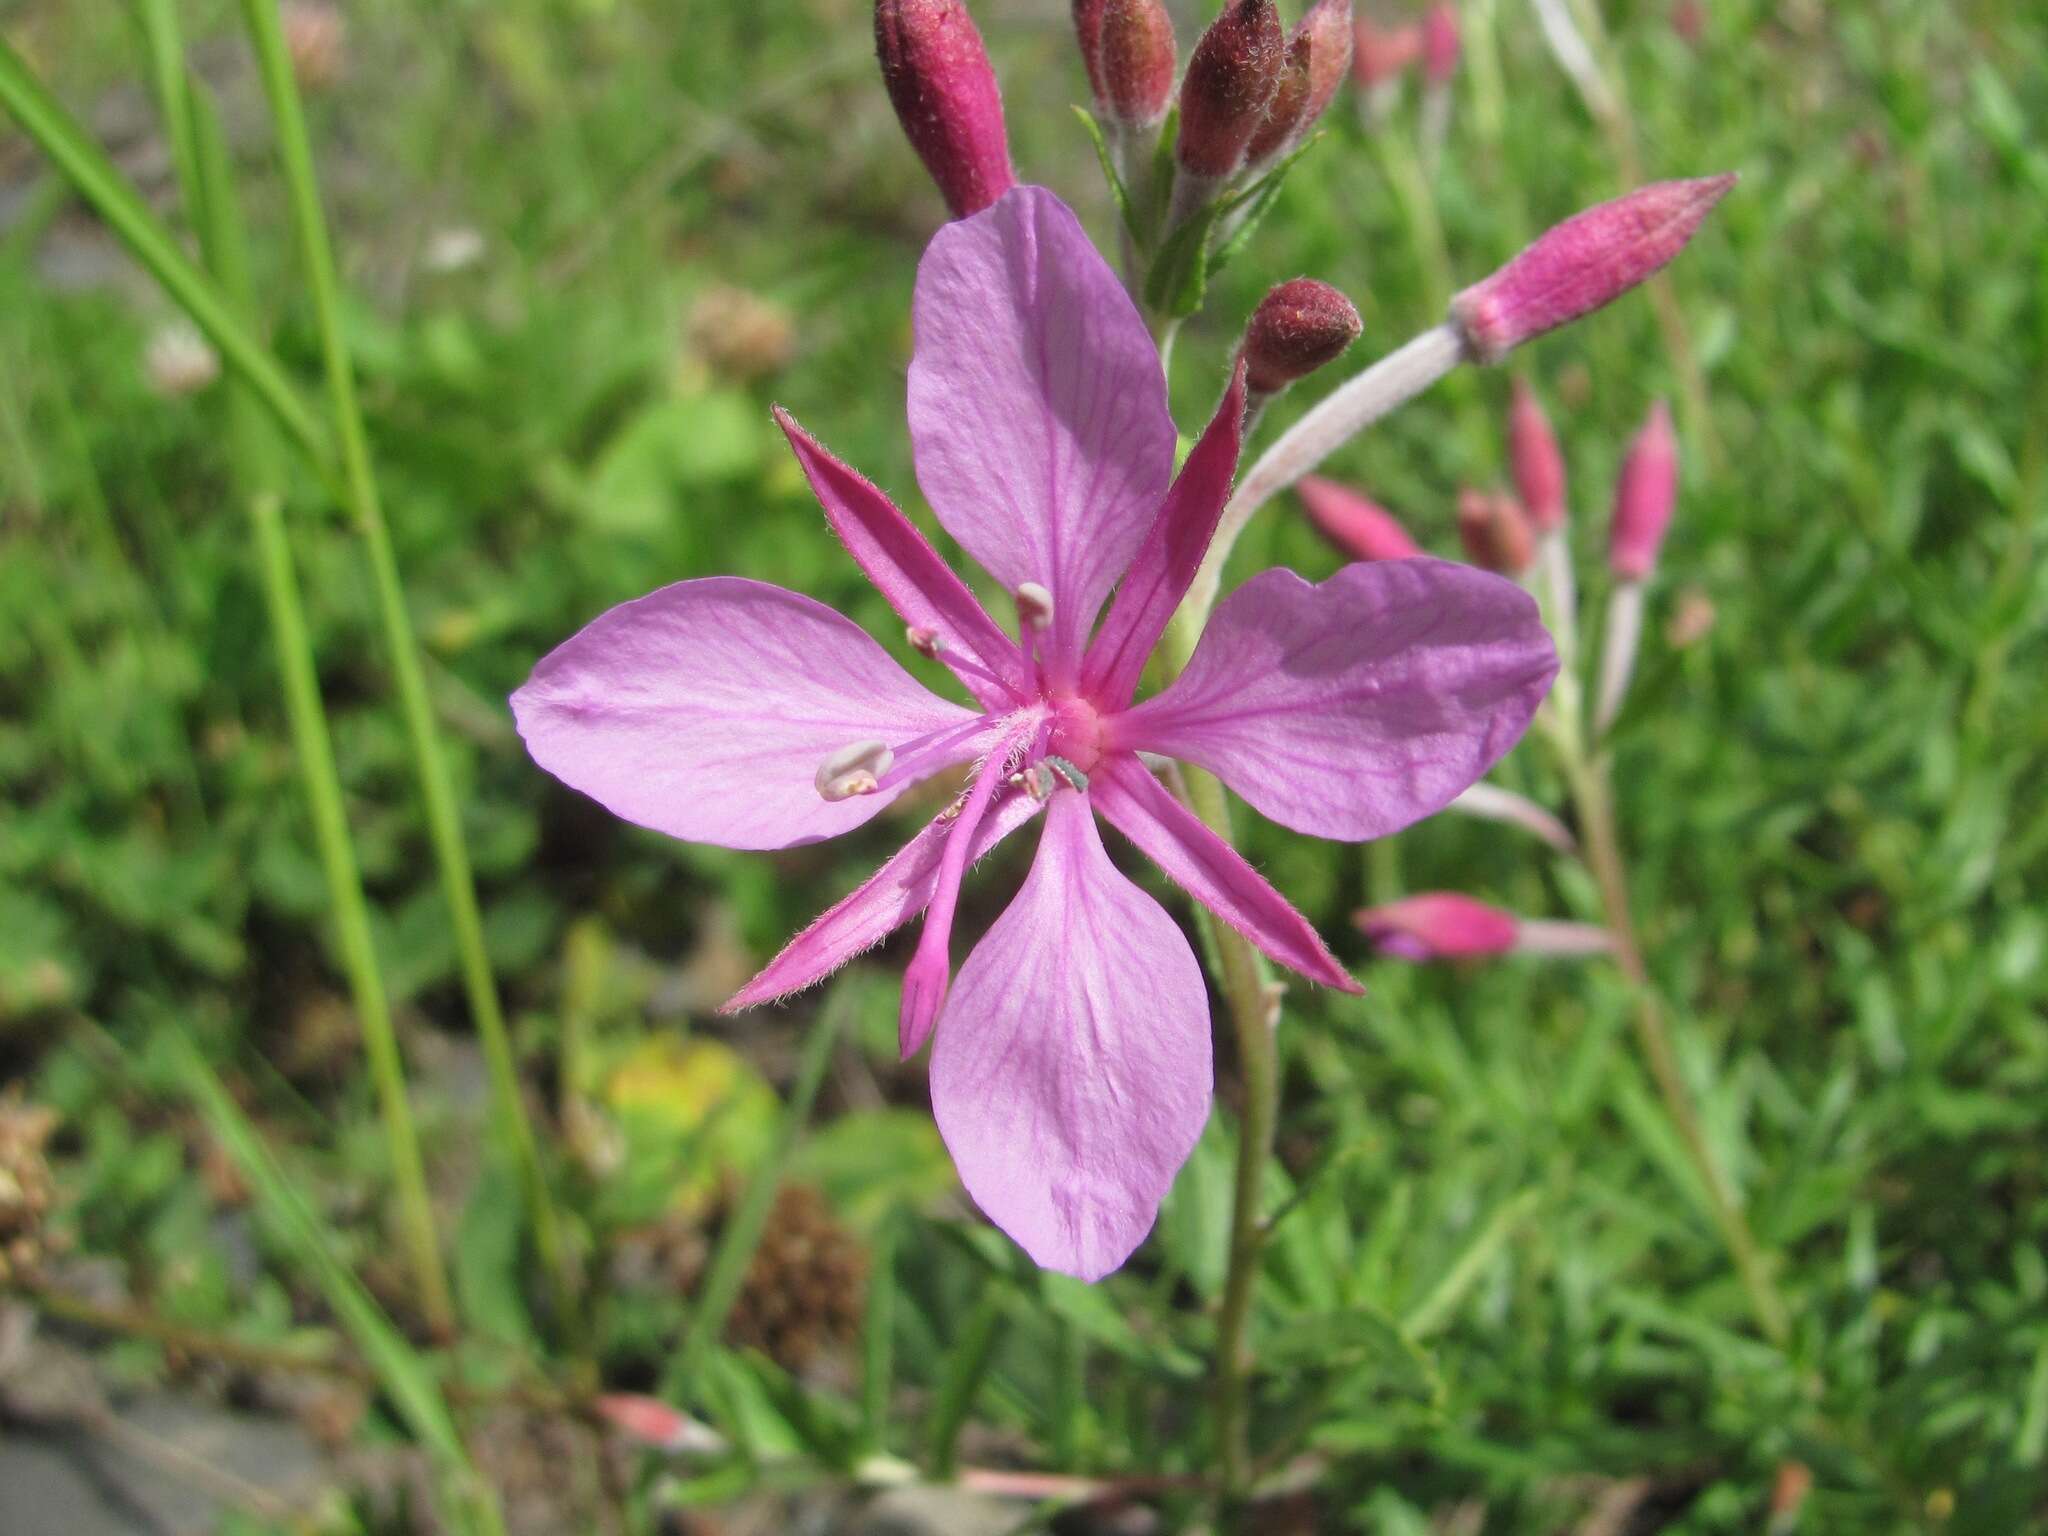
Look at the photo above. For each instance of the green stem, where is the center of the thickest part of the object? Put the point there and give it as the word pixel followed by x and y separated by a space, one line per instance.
pixel 1593 797
pixel 444 826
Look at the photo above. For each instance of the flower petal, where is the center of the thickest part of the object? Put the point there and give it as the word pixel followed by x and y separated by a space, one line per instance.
pixel 1037 407
pixel 704 710
pixel 1165 566
pixel 1351 708
pixel 1210 870
pixel 1071 1073
pixel 902 564
pixel 892 896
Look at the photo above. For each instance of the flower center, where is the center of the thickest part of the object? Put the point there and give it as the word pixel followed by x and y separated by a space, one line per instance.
pixel 1076 733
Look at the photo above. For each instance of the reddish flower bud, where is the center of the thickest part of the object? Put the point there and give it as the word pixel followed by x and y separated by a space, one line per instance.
pixel 1318 54
pixel 1135 58
pixel 945 95
pixel 1088 33
pixel 1644 497
pixel 1438 925
pixel 1379 55
pixel 1231 79
pixel 1440 43
pixel 1359 526
pixel 1297 328
pixel 1495 532
pixel 1589 260
pixel 1290 102
pixel 1539 467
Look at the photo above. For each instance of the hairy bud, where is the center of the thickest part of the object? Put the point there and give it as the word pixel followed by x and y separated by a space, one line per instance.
pixel 1286 117
pixel 1495 532
pixel 1327 26
pixel 1135 60
pixel 1088 34
pixel 1538 465
pixel 1440 43
pixel 1231 80
pixel 1356 524
pixel 944 91
pixel 1644 497
pixel 1298 327
pixel 1589 260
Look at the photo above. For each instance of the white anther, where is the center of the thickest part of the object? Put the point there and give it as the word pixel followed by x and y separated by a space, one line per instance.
pixel 924 640
pixel 1034 605
pixel 854 770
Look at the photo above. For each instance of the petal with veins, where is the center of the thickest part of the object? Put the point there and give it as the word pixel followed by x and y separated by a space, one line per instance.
pixel 1352 708
pixel 1038 413
pixel 704 710
pixel 1071 1073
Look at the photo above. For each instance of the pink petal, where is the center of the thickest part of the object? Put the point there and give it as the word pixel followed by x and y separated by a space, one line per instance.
pixel 902 564
pixel 1210 870
pixel 703 710
pixel 1037 408
pixel 892 896
pixel 1071 1073
pixel 1355 707
pixel 1165 566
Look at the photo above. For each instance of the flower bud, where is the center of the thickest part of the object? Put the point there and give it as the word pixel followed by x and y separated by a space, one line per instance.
pixel 1088 34
pixel 944 91
pixel 1297 328
pixel 1290 101
pixel 1318 54
pixel 1231 79
pixel 1438 925
pixel 1589 260
pixel 1135 59
pixel 1381 55
pixel 1440 43
pixel 1495 532
pixel 1644 497
pixel 1538 466
pixel 1357 525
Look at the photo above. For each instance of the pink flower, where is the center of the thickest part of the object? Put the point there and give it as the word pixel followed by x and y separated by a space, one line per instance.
pixel 1441 43
pixel 1644 497
pixel 1538 465
pixel 1071 1071
pixel 1446 925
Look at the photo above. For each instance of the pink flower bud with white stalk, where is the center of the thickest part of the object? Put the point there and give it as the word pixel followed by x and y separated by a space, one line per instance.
pixel 1447 925
pixel 1380 56
pixel 1135 60
pixel 1539 480
pixel 1495 532
pixel 944 91
pixel 1230 83
pixel 1583 264
pixel 1355 523
pixel 1644 496
pixel 1440 49
pixel 1299 326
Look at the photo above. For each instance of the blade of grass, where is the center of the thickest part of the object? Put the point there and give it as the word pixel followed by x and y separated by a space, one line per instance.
pixel 878 1341
pixel 966 1368
pixel 1436 1309
pixel 161 35
pixel 403 1374
pixel 85 165
pixel 735 1251
pixel 360 496
pixel 258 469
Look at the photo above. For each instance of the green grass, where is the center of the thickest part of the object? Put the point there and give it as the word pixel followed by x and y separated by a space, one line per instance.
pixel 1503 1279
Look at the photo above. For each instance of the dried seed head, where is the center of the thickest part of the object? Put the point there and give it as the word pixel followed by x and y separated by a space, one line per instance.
pixel 1538 466
pixel 1356 524
pixel 1135 62
pixel 1297 328
pixel 1644 498
pixel 1382 54
pixel 1589 260
pixel 1232 76
pixel 1495 532
pixel 854 770
pixel 1438 925
pixel 944 91
pixel 1440 43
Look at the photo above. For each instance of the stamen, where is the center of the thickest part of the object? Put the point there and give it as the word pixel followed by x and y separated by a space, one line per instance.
pixel 924 640
pixel 1034 605
pixel 928 642
pixel 854 770
pixel 1036 781
pixel 915 756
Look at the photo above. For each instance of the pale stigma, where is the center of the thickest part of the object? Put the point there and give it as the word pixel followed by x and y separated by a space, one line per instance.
pixel 854 770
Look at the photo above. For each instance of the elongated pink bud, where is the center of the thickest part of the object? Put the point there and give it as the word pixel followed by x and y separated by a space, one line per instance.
pixel 1438 925
pixel 944 91
pixel 1088 34
pixel 1440 43
pixel 1644 497
pixel 1283 118
pixel 1318 55
pixel 1231 79
pixel 1538 466
pixel 1381 54
pixel 1495 532
pixel 1298 327
pixel 1136 58
pixel 1356 524
pixel 1589 260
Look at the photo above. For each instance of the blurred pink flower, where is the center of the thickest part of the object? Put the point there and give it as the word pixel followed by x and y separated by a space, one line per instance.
pixel 1355 523
pixel 1447 925
pixel 1644 496
pixel 1071 1071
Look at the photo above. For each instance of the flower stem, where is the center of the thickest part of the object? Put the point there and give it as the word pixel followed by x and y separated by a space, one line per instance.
pixel 1592 794
pixel 444 824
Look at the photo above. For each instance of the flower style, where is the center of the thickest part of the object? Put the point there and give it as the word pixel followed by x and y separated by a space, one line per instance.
pixel 1071 1070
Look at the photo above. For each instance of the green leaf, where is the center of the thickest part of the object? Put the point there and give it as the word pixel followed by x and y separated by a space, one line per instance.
pixel 1179 277
pixel 1249 209
pixel 1117 189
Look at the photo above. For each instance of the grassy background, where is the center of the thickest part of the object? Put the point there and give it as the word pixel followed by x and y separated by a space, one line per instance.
pixel 1505 1288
